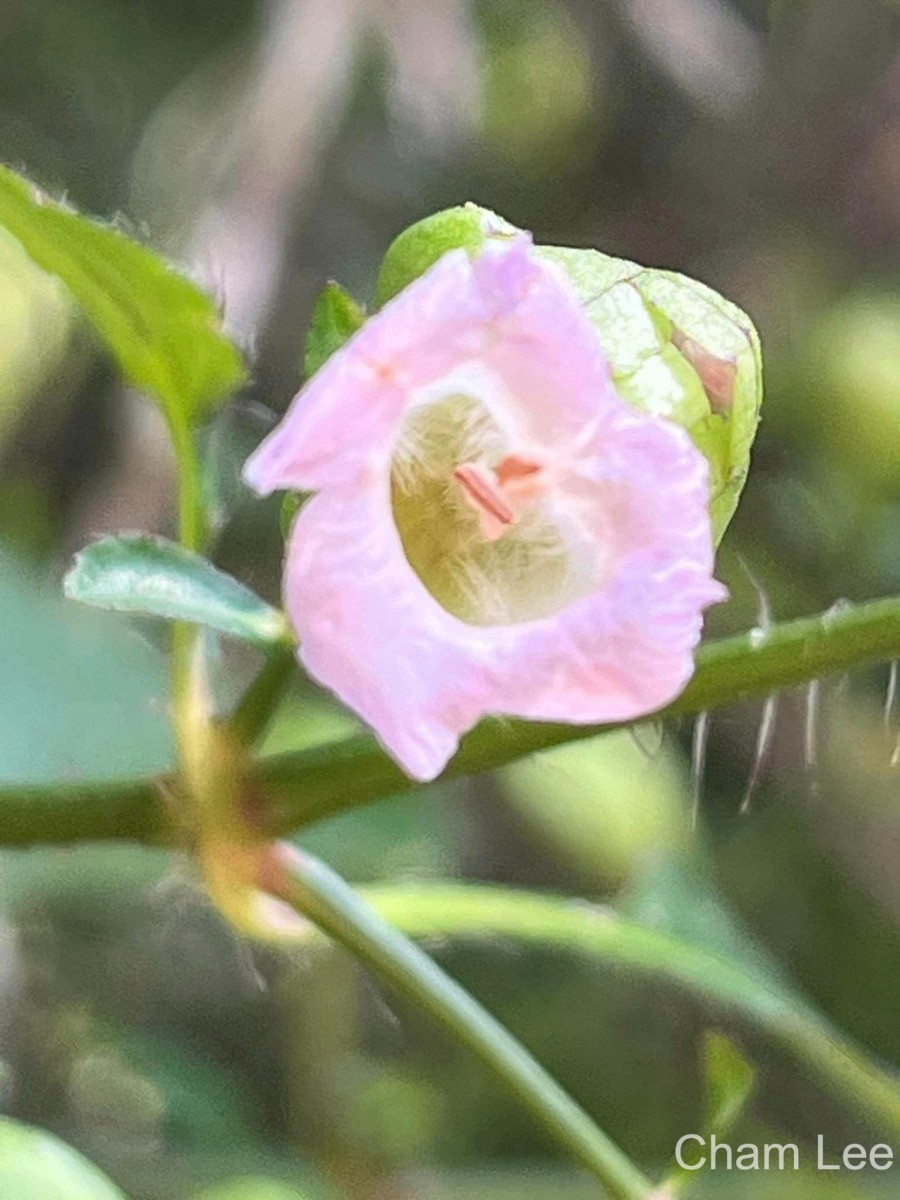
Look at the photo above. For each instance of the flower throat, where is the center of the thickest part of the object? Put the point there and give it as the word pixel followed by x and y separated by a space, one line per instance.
pixel 473 519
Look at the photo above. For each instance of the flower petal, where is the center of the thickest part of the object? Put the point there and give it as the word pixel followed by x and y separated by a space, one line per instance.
pixel 509 328
pixel 352 405
pixel 508 310
pixel 370 631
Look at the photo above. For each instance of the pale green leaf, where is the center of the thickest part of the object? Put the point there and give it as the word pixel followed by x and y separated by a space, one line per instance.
pixel 162 330
pixel 727 431
pixel 148 575
pixel 591 272
pixel 680 351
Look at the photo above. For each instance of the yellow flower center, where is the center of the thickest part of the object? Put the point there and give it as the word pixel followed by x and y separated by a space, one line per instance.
pixel 477 521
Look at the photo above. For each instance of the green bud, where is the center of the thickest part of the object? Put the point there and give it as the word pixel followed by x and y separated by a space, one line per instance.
pixel 466 227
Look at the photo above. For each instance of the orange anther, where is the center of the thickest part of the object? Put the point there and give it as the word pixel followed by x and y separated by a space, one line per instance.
pixel 514 467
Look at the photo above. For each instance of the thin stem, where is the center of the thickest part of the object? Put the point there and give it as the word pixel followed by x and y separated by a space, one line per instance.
pixel 257 706
pixel 192 535
pixel 191 513
pixel 317 893
pixel 442 910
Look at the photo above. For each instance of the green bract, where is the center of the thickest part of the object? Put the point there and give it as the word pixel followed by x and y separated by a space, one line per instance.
pixel 336 317
pixel 677 349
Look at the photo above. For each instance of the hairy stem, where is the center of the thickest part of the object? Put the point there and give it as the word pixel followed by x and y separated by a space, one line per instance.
pixel 307 785
pixel 304 786
pixel 317 893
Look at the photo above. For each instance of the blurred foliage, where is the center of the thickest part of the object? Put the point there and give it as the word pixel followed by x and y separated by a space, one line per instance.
pixel 81 696
pixel 763 161
pixel 252 1189
pixel 34 1164
pixel 161 330
pixel 30 300
pixel 855 347
pixel 606 806
pixel 539 113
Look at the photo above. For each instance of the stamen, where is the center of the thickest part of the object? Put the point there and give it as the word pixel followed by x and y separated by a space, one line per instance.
pixel 521 477
pixel 472 517
pixel 483 491
pixel 515 467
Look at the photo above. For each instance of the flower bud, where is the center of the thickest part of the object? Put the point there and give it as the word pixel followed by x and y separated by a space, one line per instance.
pixel 466 227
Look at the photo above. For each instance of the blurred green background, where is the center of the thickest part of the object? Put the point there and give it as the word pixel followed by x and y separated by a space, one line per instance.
pixel 270 147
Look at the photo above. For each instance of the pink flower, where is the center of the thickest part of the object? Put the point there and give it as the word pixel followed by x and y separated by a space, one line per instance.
pixel 495 530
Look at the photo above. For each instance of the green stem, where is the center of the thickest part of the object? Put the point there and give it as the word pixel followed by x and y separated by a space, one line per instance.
pixel 94 810
pixel 257 706
pixel 308 785
pixel 191 535
pixel 191 510
pixel 324 898
pixel 446 910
